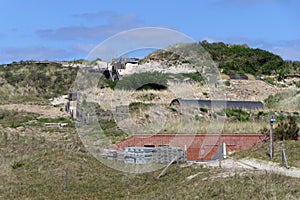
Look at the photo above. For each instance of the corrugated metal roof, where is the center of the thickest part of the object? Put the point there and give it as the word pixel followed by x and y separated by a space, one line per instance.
pixel 218 103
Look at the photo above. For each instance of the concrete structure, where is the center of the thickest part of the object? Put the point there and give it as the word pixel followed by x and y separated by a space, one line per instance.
pixel 199 147
pixel 71 106
pixel 217 103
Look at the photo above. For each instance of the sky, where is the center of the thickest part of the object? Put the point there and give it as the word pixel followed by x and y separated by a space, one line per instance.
pixel 68 30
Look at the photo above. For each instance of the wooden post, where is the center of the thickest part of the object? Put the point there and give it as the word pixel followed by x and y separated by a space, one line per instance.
pixel 284 160
pixel 67 176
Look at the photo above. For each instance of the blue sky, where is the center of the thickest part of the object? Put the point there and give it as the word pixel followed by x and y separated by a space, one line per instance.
pixel 67 30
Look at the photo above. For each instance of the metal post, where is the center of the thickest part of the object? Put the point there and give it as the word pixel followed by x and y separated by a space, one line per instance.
pixel 271 138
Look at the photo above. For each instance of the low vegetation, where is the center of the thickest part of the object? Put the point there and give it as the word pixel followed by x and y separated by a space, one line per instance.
pixel 37 170
pixel 14 119
pixel 286 129
pixel 34 82
pixel 262 151
pixel 242 59
pixel 285 101
pixel 143 81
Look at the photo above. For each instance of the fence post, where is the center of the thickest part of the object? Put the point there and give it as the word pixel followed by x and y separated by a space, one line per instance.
pixel 272 120
pixel 284 160
pixel 67 176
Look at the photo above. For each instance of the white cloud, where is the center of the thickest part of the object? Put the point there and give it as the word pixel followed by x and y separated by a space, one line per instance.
pixel 96 15
pixel 244 3
pixel 32 53
pixel 137 39
pixel 115 24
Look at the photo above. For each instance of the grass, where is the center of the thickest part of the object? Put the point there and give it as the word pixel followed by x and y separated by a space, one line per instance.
pixel 203 126
pixel 261 151
pixel 42 176
pixel 13 119
pixel 32 82
pixel 33 166
pixel 285 101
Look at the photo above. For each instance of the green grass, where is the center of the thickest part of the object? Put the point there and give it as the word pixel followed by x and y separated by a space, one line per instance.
pixel 13 119
pixel 32 82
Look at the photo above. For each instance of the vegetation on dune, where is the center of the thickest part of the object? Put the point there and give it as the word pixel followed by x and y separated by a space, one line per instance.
pixel 31 81
pixel 143 81
pixel 14 119
pixel 164 55
pixel 261 151
pixel 37 169
pixel 234 59
pixel 289 100
pixel 242 59
pixel 285 130
pixel 195 76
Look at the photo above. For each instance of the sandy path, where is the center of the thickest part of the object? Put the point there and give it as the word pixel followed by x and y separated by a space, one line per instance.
pixel 45 111
pixel 255 164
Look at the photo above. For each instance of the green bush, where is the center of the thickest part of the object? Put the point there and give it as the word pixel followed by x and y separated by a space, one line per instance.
pixel 237 114
pixel 285 130
pixel 203 110
pixel 197 118
pixel 16 165
pixel 227 83
pixel 146 80
pixel 270 80
pixel 242 59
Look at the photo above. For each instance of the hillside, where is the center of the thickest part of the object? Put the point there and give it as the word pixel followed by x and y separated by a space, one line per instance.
pixel 234 59
pixel 34 81
pixel 40 162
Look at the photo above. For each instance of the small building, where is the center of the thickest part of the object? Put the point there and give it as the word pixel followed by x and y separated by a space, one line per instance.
pixel 190 147
pixel 250 105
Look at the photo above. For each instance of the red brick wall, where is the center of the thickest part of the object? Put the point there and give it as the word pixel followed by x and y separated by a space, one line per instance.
pixel 199 146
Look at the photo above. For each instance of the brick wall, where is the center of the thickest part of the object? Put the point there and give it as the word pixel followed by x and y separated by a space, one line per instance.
pixel 199 146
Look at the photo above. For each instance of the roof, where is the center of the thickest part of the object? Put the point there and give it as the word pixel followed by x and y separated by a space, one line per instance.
pixel 218 103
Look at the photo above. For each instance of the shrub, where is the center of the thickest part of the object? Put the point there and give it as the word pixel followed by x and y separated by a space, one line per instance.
pixel 143 81
pixel 197 118
pixel 237 114
pixel 286 130
pixel 227 83
pixel 17 165
pixel 203 110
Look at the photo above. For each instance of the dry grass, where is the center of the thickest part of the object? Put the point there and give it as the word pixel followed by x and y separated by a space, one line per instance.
pixel 261 151
pixel 33 166
pixel 42 176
